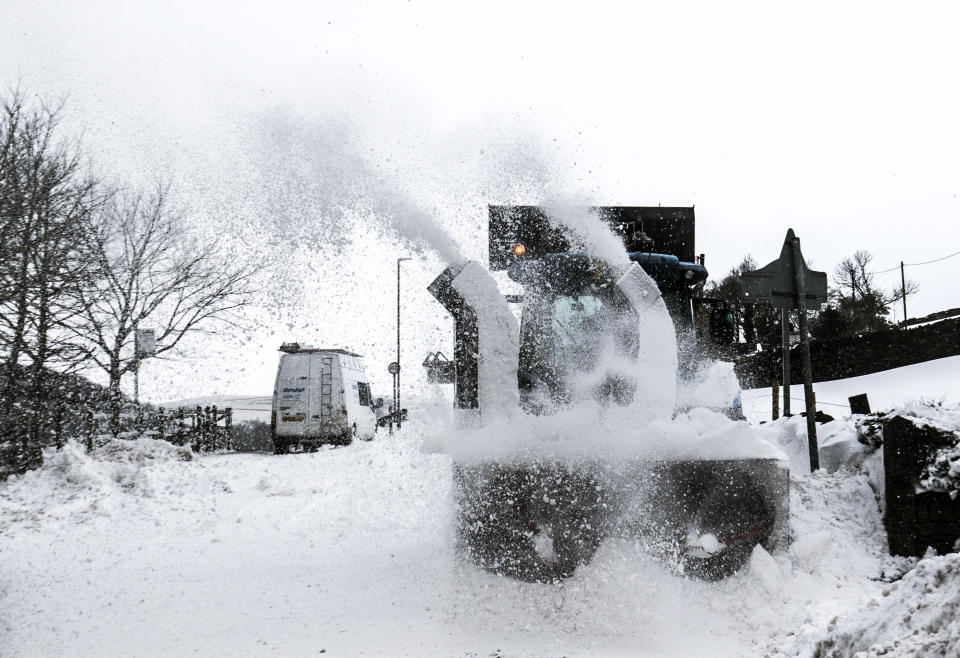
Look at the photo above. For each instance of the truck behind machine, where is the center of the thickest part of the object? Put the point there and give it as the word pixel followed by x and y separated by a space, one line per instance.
pixel 321 396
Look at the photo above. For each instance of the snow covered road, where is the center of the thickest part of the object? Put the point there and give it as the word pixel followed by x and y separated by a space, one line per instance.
pixel 351 552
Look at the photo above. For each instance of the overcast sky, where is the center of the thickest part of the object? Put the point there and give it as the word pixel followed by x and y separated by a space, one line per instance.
pixel 335 137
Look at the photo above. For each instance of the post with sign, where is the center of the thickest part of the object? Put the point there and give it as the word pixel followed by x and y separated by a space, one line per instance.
pixel 394 369
pixel 396 375
pixel 788 283
pixel 144 346
pixel 785 343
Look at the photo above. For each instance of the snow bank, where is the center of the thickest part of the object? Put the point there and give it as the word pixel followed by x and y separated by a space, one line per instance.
pixel 590 431
pixel 72 482
pixel 498 340
pixel 917 616
pixel 715 386
pixel 886 390
pixel 839 443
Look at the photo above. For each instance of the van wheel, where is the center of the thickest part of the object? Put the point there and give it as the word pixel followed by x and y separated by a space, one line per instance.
pixel 280 446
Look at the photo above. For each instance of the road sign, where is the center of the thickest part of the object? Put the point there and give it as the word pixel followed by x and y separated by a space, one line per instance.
pixel 788 283
pixel 145 343
pixel 776 282
pixel 394 368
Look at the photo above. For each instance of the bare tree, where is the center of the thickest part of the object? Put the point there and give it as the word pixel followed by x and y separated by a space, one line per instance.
pixel 853 274
pixel 860 302
pixel 45 204
pixel 152 272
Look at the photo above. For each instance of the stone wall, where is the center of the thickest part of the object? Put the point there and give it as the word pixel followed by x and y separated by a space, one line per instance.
pixel 915 520
pixel 859 355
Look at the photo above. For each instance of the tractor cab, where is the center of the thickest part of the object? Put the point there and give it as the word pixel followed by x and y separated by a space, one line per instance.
pixel 575 320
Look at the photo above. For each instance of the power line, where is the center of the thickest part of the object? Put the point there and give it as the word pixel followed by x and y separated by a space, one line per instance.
pixel 829 404
pixel 935 260
pixel 932 261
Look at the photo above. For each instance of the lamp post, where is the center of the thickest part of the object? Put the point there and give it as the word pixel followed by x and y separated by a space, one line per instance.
pixel 396 377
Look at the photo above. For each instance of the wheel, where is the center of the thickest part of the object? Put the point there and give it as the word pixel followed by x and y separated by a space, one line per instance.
pixel 728 524
pixel 281 446
pixel 536 524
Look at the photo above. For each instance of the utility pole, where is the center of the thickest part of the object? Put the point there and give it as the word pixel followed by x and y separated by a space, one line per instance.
pixel 396 397
pixel 785 337
pixel 903 289
pixel 808 398
pixel 136 365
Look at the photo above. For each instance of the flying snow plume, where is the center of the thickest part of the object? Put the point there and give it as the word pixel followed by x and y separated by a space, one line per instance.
pixel 327 189
pixel 584 226
pixel 417 226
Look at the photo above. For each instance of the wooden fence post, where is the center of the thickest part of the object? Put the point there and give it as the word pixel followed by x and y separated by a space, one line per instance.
pixel 214 429
pixel 58 426
pixel 197 428
pixel 776 399
pixel 178 432
pixel 90 425
pixel 228 427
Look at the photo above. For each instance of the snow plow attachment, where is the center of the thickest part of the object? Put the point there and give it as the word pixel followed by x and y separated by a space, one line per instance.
pixel 536 518
pixel 540 522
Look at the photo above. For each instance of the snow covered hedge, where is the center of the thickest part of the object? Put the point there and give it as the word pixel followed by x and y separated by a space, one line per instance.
pixel 941 470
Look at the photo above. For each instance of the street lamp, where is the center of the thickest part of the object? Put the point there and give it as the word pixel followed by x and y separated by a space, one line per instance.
pixel 396 377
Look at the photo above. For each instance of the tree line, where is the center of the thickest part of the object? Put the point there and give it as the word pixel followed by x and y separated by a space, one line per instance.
pixel 83 265
pixel 856 304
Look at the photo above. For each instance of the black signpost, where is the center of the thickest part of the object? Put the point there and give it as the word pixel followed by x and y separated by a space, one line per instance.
pixel 394 369
pixel 788 283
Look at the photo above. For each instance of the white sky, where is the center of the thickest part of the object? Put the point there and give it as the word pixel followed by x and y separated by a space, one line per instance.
pixel 841 120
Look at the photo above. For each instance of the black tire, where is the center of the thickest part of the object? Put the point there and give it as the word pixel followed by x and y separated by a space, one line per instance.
pixel 740 519
pixel 280 446
pixel 506 512
pixel 719 566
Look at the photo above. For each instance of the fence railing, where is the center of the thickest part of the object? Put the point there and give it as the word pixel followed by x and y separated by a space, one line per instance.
pixel 204 429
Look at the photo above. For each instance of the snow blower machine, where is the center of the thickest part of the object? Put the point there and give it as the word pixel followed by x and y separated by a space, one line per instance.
pixel 574 364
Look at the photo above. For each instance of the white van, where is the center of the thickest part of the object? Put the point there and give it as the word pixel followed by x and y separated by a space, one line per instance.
pixel 320 396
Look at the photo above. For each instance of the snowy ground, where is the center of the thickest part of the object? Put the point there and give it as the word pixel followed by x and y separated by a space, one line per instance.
pixel 930 380
pixel 350 552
